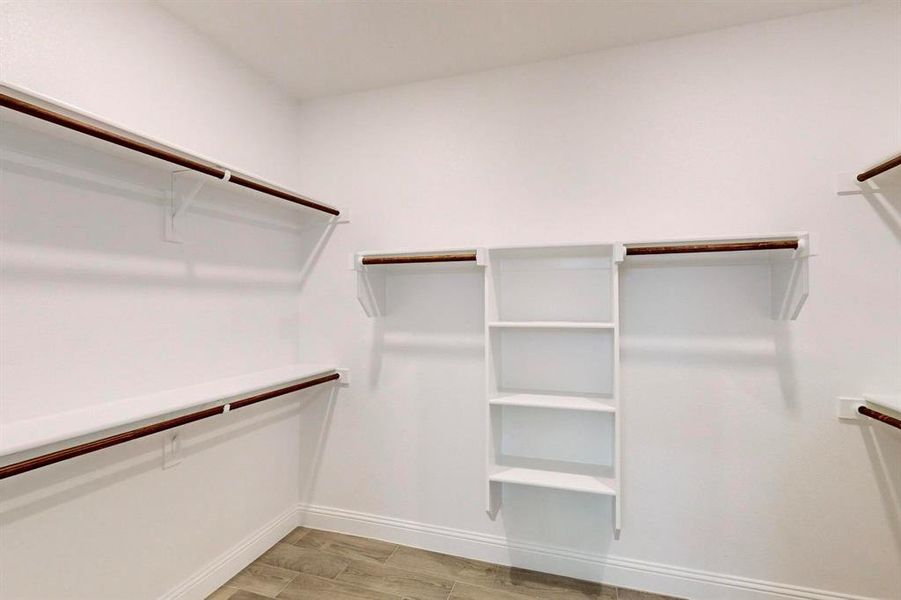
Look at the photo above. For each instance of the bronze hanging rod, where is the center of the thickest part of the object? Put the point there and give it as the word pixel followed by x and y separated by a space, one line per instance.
pixel 712 247
pixel 136 145
pixel 126 436
pixel 880 168
pixel 883 418
pixel 400 259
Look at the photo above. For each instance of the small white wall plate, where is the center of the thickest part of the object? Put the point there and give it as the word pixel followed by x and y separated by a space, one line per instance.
pixel 847 408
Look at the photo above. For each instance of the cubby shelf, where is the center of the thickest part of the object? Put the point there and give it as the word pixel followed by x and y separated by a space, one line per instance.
pixel 557 480
pixel 552 343
pixel 528 400
pixel 552 324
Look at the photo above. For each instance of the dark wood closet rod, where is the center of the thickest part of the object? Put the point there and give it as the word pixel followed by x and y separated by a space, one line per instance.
pixel 712 247
pixel 126 436
pixel 880 168
pixel 418 258
pixel 873 414
pixel 118 139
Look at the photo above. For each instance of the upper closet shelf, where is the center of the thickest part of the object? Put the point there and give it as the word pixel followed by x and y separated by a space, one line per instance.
pixel 37 107
pixel 373 267
pixel 758 249
pixel 786 254
pixel 892 403
pixel 18 436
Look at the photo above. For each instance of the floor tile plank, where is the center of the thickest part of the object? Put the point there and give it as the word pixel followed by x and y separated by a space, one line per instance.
pixel 223 593
pixel 389 579
pixel 624 594
pixel 444 565
pixel 262 579
pixel 245 595
pixel 348 546
pixel 303 560
pixel 550 587
pixel 310 564
pixel 295 535
pixel 308 587
pixel 466 591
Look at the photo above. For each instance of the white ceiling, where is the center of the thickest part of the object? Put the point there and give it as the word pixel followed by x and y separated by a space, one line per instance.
pixel 319 48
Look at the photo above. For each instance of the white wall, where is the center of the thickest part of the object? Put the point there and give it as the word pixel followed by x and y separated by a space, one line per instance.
pixel 734 461
pixel 97 307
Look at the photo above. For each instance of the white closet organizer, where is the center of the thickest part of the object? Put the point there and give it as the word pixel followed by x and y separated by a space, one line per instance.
pixel 553 411
pixel 552 347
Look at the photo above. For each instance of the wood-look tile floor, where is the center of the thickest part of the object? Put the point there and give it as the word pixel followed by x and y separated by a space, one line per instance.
pixel 309 564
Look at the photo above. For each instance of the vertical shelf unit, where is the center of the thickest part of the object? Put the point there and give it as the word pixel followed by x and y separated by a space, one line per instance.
pixel 552 370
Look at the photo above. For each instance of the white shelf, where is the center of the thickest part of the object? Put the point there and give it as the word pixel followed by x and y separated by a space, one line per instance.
pixel 568 250
pixel 559 402
pixel 372 280
pixel 557 480
pixel 92 143
pixel 891 402
pixel 32 433
pixel 552 343
pixel 551 324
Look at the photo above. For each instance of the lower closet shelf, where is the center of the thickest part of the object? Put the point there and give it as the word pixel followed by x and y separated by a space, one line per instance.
pixel 559 480
pixel 602 404
pixel 18 436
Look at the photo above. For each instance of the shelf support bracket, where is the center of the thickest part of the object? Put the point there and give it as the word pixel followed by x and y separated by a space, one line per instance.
pixel 370 288
pixel 790 284
pixel 179 202
pixel 495 499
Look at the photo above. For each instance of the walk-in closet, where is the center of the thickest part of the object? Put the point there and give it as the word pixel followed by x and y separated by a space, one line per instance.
pixel 450 300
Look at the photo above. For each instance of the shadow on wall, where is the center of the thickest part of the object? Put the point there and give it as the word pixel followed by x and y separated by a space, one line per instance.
pixel 98 307
pixel 708 381
pixel 883 445
pixel 35 492
pixel 314 426
pixel 887 202
pixel 437 315
pixel 425 398
pixel 708 317
pixel 566 520
pixel 89 278
pixel 81 213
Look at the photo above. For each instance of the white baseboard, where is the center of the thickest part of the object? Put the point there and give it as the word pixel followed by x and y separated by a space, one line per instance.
pixel 611 570
pixel 211 577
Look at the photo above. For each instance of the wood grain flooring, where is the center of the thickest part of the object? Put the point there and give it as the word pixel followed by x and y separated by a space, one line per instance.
pixel 309 564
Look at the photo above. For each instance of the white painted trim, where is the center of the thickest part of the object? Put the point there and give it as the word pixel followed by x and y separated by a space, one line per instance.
pixel 227 565
pixel 612 570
